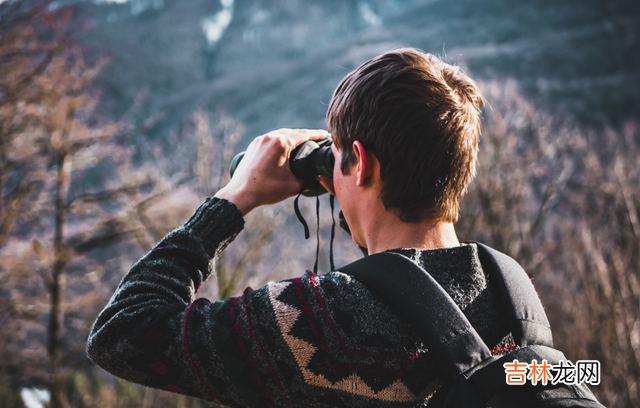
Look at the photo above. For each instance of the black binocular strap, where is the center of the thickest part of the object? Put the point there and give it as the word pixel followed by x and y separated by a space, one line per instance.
pixel 296 209
pixel 315 265
pixel 332 200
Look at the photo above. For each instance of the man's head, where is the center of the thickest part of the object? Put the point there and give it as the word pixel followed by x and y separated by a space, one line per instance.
pixel 420 117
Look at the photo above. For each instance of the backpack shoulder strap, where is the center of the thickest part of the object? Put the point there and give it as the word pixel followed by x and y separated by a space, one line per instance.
pixel 454 343
pixel 527 319
pixel 439 321
pixel 431 312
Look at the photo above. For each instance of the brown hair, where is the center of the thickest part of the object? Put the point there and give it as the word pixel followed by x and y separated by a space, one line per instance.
pixel 421 119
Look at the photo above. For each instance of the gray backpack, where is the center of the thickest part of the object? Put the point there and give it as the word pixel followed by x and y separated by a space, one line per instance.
pixel 477 378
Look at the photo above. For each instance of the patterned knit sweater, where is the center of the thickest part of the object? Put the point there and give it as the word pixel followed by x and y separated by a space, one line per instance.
pixel 312 341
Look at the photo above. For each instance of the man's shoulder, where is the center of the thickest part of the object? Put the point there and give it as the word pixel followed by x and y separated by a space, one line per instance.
pixel 339 308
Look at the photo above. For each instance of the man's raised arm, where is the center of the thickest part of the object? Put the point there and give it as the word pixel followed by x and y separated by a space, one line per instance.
pixel 154 333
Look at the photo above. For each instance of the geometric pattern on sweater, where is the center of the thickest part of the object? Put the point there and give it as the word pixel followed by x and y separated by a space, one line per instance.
pixel 373 385
pixel 314 341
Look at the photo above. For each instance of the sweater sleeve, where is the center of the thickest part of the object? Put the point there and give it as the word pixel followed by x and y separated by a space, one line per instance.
pixel 153 332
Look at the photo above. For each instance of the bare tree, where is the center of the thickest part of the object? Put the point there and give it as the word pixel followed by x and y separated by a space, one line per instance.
pixel 25 54
pixel 564 202
pixel 604 200
pixel 51 138
pixel 522 168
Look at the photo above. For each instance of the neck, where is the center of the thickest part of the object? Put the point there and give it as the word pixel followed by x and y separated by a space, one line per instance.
pixel 413 235
pixel 387 231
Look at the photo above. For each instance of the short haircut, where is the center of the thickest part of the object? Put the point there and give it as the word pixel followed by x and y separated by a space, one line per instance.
pixel 421 119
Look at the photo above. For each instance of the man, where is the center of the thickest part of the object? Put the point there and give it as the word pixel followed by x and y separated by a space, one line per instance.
pixel 405 127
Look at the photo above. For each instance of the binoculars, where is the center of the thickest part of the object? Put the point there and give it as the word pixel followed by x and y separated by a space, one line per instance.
pixel 307 161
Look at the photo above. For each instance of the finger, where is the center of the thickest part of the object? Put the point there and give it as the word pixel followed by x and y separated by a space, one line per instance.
pixel 317 134
pixel 309 134
pixel 290 138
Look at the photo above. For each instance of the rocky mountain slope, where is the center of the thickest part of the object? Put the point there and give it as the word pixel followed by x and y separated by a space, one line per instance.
pixel 275 63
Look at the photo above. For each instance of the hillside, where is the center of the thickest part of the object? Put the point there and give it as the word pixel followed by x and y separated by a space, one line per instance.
pixel 275 63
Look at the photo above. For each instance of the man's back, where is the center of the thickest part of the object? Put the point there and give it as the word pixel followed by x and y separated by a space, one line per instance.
pixel 315 341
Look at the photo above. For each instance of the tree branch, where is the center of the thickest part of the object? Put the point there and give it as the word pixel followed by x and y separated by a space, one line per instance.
pixel 106 233
pixel 106 195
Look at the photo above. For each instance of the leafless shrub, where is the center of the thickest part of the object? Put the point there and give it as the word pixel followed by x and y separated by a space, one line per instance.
pixel 51 196
pixel 603 203
pixel 564 203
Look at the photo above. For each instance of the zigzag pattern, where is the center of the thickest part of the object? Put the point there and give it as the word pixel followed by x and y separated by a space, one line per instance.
pixel 304 351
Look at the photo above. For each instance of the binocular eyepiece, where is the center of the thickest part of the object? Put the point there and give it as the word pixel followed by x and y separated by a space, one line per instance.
pixel 307 161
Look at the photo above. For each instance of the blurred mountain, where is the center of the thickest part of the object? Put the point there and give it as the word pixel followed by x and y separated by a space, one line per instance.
pixel 275 63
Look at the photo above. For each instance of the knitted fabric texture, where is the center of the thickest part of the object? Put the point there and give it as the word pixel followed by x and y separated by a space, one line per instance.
pixel 312 341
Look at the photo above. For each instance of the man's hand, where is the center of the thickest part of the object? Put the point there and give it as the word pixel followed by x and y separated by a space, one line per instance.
pixel 263 176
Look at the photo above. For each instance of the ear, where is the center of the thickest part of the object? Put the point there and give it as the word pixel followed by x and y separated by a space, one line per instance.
pixel 363 163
